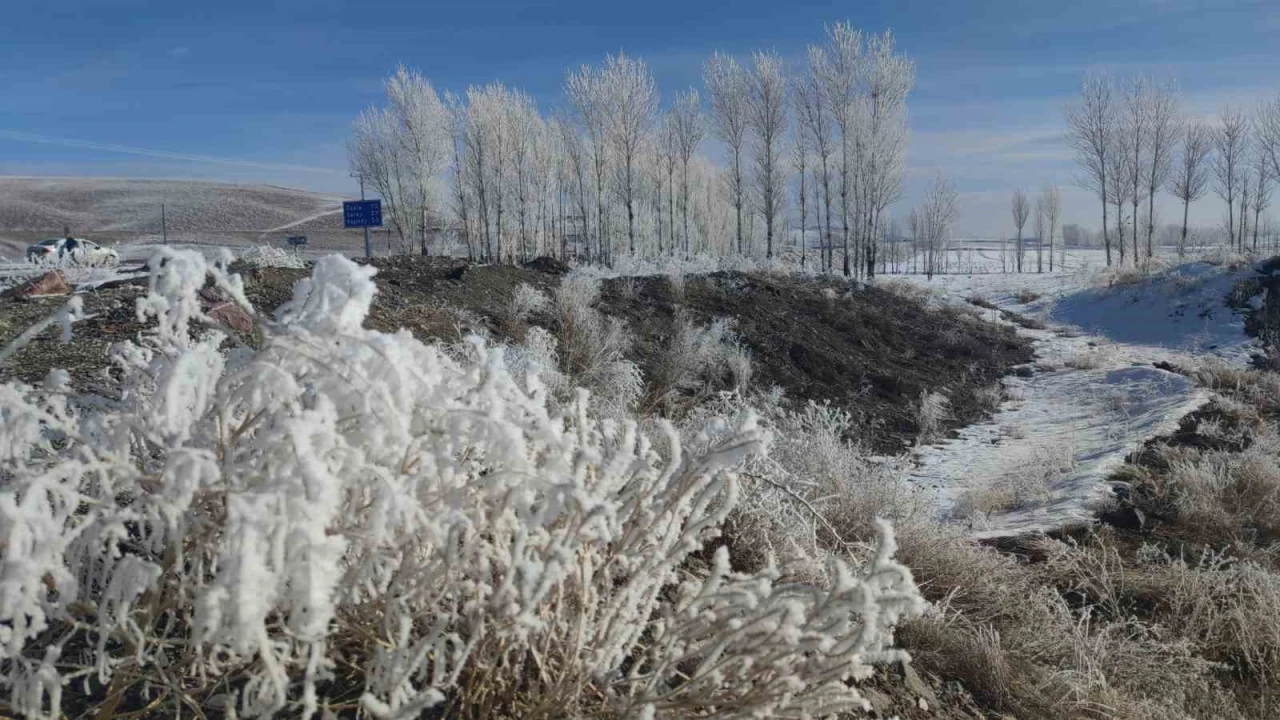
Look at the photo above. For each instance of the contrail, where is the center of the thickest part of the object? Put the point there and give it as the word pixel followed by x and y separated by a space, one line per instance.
pixel 147 152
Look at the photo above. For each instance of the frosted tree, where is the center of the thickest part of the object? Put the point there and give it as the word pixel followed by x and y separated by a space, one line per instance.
pixel 578 171
pixel 489 158
pixel 424 138
pixel 800 164
pixel 890 77
pixel 376 155
pixel 1021 209
pixel 1230 139
pixel 814 125
pixel 1091 125
pixel 526 132
pixel 1163 130
pixel 729 90
pixel 688 127
pixel 767 120
pixel 668 149
pixel 842 72
pixel 931 222
pixel 588 95
pixel 1190 177
pixel 630 106
pixel 402 151
pixel 460 184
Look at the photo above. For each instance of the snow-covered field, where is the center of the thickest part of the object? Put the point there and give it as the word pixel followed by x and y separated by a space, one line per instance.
pixel 1094 395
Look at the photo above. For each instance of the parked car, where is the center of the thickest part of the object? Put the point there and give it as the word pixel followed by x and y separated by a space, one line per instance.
pixel 72 251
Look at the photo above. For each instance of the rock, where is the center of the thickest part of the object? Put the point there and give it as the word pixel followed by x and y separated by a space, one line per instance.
pixel 880 702
pixel 1126 518
pixel 50 283
pixel 232 315
pixel 917 685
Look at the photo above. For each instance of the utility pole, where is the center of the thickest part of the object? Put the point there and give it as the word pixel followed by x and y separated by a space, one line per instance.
pixel 368 249
pixel 164 226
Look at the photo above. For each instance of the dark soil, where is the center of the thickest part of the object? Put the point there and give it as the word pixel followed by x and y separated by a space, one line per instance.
pixel 865 349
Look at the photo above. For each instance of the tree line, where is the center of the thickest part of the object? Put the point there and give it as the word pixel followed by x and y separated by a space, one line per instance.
pixel 611 170
pixel 1132 141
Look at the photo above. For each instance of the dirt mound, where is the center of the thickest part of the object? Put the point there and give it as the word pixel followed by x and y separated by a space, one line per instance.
pixel 858 347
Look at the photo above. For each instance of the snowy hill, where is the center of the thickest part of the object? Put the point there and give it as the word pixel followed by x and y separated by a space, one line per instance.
pixel 120 211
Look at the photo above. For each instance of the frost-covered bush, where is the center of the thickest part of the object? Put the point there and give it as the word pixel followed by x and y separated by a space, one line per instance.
pixel 354 520
pixel 817 494
pixel 593 346
pixel 266 256
pixel 525 301
pixel 699 357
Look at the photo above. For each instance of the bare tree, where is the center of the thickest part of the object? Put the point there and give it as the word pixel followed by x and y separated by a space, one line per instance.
pixel 728 86
pixel 1137 123
pixel 1190 178
pixel 767 119
pixel 1164 128
pixel 689 129
pixel 1261 192
pixel 1090 128
pixel 1121 191
pixel 1021 211
pixel 1041 230
pixel 1229 140
pixel 1267 129
pixel 931 222
pixel 1051 200
pixel 814 119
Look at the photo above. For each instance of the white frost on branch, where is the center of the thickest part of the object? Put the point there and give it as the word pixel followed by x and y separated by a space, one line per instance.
pixel 344 496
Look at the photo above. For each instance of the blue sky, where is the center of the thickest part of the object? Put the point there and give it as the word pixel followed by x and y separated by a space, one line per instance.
pixel 265 91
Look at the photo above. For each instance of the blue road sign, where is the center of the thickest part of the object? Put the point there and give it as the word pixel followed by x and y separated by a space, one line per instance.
pixel 362 213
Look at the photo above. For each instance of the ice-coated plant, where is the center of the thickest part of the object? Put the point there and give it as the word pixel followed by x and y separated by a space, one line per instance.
pixel 353 521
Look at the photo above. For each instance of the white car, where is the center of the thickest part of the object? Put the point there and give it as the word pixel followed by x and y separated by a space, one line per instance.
pixel 72 251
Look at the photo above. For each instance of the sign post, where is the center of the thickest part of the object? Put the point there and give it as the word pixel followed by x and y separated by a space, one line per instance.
pixel 363 214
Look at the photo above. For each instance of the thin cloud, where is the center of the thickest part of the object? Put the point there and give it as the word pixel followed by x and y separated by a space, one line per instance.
pixel 18 136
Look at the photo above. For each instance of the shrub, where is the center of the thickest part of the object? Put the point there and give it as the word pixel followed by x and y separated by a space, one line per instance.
pixel 1027 295
pixel 593 347
pixel 342 513
pixel 698 358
